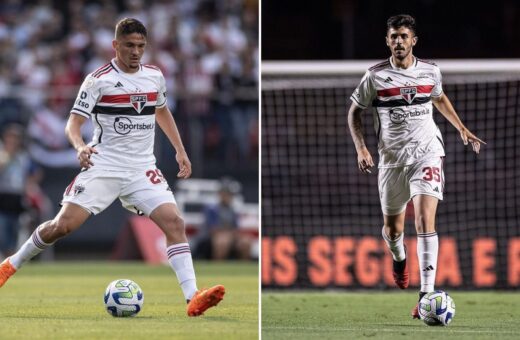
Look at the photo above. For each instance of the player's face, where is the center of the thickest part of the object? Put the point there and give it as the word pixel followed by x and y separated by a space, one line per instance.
pixel 400 41
pixel 129 50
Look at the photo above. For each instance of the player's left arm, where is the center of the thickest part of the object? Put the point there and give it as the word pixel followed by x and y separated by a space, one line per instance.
pixel 443 104
pixel 164 118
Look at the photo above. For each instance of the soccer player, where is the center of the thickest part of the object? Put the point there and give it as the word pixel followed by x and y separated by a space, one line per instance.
pixel 125 99
pixel 411 151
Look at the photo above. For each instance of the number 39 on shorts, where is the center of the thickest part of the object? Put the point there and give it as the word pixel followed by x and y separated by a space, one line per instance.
pixel 431 174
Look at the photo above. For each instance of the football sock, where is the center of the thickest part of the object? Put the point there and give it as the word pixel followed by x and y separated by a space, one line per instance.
pixel 32 247
pixel 179 257
pixel 396 246
pixel 427 250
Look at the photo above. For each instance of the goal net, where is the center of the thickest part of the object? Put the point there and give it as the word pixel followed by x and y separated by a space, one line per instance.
pixel 321 218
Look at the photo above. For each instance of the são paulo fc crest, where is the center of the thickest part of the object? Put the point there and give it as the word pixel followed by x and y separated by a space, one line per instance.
pixel 138 101
pixel 408 93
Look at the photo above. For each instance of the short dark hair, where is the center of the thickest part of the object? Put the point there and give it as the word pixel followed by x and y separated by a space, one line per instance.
pixel 401 20
pixel 128 26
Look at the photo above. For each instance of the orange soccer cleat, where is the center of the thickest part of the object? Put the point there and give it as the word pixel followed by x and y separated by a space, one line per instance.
pixel 205 299
pixel 415 312
pixel 6 271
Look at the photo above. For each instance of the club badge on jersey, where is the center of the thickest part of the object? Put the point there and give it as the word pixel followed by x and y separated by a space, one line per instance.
pixel 408 93
pixel 138 101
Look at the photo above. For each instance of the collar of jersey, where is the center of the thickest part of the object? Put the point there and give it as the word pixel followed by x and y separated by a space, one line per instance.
pixel 114 64
pixel 412 67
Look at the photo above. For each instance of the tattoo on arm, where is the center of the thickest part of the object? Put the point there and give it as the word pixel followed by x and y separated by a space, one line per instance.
pixel 356 126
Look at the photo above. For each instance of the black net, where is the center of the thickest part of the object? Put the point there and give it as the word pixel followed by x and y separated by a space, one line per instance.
pixel 321 218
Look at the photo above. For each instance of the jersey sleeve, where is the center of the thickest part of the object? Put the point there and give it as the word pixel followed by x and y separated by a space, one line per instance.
pixel 437 88
pixel 161 96
pixel 364 94
pixel 87 98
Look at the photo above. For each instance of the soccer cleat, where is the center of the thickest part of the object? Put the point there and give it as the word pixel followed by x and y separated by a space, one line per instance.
pixel 400 272
pixel 415 310
pixel 205 299
pixel 6 271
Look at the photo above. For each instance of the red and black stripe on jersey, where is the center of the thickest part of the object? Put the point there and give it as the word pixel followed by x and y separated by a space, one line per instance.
pixel 125 111
pixel 153 67
pixel 426 61
pixel 396 91
pixel 124 99
pixel 103 70
pixel 400 102
pixel 382 64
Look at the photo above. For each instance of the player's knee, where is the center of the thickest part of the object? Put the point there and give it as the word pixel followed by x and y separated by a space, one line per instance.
pixel 394 231
pixel 176 225
pixel 424 224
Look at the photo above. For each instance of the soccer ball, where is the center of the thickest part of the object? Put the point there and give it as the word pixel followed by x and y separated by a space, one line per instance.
pixel 437 308
pixel 123 298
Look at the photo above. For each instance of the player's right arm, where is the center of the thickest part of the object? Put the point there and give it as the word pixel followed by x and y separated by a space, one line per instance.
pixel 86 100
pixel 355 125
pixel 73 132
pixel 361 99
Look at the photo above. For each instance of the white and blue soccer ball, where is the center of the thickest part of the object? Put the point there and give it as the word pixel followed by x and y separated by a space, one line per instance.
pixel 437 308
pixel 123 298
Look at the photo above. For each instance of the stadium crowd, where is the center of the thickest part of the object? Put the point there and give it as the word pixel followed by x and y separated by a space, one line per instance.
pixel 207 50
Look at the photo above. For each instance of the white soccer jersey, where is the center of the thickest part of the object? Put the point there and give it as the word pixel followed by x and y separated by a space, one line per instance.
pixel 122 107
pixel 403 111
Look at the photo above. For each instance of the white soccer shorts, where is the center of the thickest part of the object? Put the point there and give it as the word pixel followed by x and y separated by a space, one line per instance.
pixel 139 191
pixel 398 185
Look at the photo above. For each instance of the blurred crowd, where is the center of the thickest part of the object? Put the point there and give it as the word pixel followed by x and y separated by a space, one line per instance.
pixel 207 50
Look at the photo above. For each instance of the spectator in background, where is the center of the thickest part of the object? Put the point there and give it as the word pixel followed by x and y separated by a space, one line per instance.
pixel 221 223
pixel 16 175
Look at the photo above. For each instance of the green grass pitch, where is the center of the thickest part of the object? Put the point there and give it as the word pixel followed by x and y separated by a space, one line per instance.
pixel 385 315
pixel 65 301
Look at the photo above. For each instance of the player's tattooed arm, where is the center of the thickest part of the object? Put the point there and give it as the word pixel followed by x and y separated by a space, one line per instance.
pixel 73 132
pixel 355 124
pixel 444 106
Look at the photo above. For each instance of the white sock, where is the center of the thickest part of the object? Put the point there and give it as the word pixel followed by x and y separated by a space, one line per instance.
pixel 427 250
pixel 396 246
pixel 32 247
pixel 179 257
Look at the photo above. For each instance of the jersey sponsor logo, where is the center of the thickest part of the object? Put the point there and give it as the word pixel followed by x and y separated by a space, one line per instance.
pixel 80 102
pixel 398 116
pixel 123 125
pixel 408 93
pixel 119 84
pixel 138 101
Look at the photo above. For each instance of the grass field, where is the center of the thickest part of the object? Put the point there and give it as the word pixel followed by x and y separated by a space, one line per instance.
pixel 385 315
pixel 65 301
